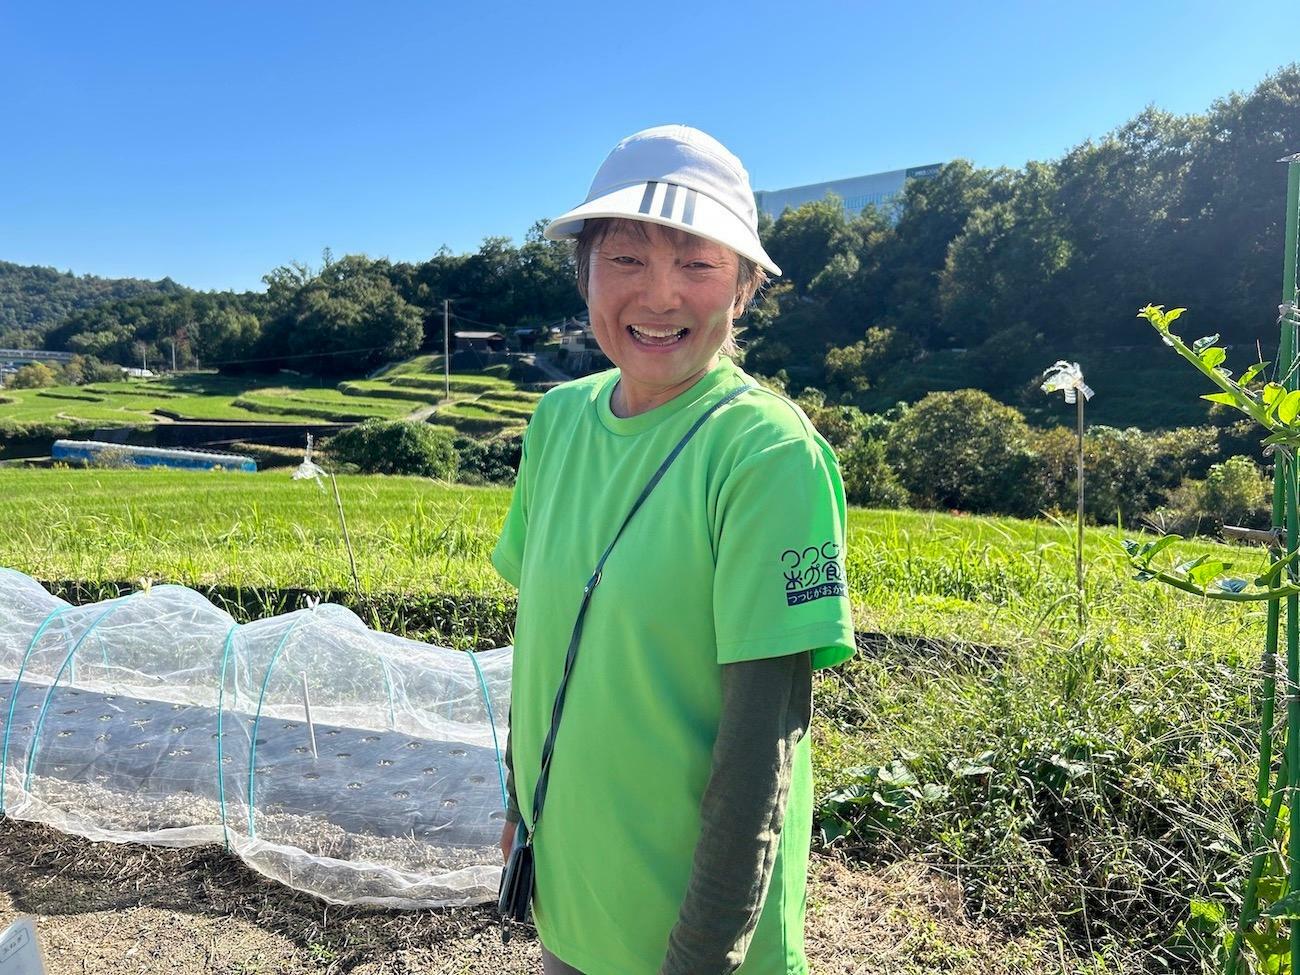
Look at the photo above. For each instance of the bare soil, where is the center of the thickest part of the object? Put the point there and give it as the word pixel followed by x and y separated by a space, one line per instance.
pixel 103 907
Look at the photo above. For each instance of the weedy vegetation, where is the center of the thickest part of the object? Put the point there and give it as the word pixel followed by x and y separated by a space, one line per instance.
pixel 1084 789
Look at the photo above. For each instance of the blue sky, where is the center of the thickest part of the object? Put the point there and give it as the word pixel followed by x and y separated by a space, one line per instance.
pixel 211 142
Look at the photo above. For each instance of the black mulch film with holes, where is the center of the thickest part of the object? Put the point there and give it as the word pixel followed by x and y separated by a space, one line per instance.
pixel 361 767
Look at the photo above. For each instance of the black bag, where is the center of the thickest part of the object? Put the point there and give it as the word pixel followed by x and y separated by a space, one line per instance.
pixel 515 897
pixel 514 900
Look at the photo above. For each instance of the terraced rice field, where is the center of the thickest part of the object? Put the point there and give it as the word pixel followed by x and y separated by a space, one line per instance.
pixel 479 404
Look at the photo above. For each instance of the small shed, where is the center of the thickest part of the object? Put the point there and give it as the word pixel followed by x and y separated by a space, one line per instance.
pixel 479 341
pixel 527 338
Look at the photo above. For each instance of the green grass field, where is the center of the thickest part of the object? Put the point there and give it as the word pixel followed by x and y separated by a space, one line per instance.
pixel 478 404
pixel 986 580
pixel 263 529
pixel 1082 785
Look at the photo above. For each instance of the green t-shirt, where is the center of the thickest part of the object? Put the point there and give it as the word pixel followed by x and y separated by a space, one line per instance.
pixel 736 555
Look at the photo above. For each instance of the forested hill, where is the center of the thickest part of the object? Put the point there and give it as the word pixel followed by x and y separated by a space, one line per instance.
pixel 35 299
pixel 981 278
pixel 987 276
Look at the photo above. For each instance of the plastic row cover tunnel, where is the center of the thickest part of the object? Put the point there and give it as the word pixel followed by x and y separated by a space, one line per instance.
pixel 356 765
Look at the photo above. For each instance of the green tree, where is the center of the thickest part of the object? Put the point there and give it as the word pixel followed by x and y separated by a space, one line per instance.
pixel 1119 470
pixel 869 481
pixel 1002 269
pixel 934 212
pixel 804 239
pixel 964 450
pixel 225 334
pixel 853 369
pixel 1237 493
pixel 73 372
pixel 396 447
pixel 1227 233
pixel 34 375
pixel 1118 197
pixel 346 318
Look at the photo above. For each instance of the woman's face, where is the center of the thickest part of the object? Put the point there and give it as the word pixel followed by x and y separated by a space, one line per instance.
pixel 661 304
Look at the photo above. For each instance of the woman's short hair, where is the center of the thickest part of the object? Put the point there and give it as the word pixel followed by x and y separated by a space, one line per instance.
pixel 750 278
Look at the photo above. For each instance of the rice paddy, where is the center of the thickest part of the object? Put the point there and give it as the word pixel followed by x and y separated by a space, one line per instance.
pixel 478 404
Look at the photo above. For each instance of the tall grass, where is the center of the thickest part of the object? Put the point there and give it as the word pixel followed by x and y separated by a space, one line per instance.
pixel 411 535
pixel 1087 784
pixel 1098 780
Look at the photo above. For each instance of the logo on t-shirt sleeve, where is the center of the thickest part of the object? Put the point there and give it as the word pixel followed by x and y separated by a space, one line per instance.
pixel 812 573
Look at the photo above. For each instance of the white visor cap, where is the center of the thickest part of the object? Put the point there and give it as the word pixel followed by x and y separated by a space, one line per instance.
pixel 679 177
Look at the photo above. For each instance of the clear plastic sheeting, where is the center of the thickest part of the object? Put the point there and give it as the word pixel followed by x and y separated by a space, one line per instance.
pixel 358 766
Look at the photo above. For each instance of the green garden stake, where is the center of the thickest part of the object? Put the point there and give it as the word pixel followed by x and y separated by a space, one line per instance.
pixel 1276 407
pixel 1289 321
pixel 1286 501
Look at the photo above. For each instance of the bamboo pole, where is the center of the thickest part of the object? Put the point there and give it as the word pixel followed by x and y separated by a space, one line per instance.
pixel 347 539
pixel 311 725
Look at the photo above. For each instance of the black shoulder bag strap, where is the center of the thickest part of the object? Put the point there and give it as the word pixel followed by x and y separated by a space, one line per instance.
pixel 517 877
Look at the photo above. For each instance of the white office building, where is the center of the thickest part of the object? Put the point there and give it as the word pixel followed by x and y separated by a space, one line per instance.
pixel 879 189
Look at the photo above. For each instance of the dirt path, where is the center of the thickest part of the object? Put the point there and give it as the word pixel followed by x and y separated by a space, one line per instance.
pixel 547 366
pixel 130 909
pixel 422 413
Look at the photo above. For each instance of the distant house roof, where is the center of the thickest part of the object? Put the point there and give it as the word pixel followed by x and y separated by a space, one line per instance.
pixel 479 335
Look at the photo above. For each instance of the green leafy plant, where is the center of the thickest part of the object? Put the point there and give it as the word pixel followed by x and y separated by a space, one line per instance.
pixel 875 800
pixel 1270 905
pixel 1273 407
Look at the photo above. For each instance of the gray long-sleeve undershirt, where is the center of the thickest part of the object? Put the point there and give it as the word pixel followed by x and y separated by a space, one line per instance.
pixel 766 710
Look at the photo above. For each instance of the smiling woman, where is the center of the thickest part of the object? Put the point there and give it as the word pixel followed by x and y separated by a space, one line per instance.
pixel 657 291
pixel 672 760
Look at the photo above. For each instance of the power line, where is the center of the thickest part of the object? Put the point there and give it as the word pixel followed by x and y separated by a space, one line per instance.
pixel 475 321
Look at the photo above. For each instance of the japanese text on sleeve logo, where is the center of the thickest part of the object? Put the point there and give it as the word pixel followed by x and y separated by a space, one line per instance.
pixel 812 573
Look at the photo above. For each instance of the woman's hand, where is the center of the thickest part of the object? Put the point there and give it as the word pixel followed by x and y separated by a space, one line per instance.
pixel 507 840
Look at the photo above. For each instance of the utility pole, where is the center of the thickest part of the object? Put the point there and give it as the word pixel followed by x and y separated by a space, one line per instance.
pixel 173 344
pixel 446 346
